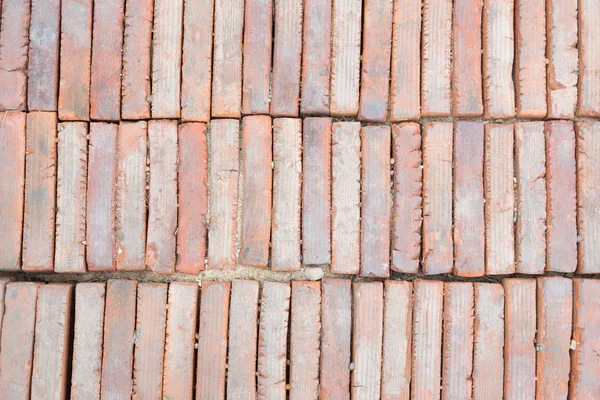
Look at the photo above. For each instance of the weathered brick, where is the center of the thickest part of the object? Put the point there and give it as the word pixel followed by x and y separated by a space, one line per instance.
pixel 14 40
pixel 589 59
pixel 3 283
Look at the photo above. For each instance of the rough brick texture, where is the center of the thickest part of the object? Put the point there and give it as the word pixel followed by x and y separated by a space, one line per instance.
pixel 589 59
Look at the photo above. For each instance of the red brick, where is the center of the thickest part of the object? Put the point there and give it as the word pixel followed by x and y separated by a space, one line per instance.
pixel 149 342
pixel 397 340
pixel 12 181
pixel 3 283
pixel 243 334
pixel 162 197
pixel 119 325
pixel 287 178
pixel 40 192
pixel 102 166
pixel 14 39
pixel 71 197
pixel 135 86
pixel 16 358
pixel 258 187
pixel 272 340
pixel 589 59
pixel 519 345
pixel 498 59
pixel 458 340
pixel 469 231
pixel 212 342
pixel 561 186
pixel 435 58
pixel 405 101
pixel 182 314
pixel 87 341
pixel 437 198
pixel 193 198
pixel 466 49
pixel 75 60
pixel 345 198
pixel 130 211
pixel 44 38
pixel 285 86
pixel 196 66
pixel 52 346
pixel 107 54
pixel 553 341
pixel 498 183
pixel 336 332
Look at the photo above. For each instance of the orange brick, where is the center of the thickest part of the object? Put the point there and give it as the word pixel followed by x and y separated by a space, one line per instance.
pixel 561 184
pixel 589 59
pixel 257 182
pixel 437 198
pixel 466 49
pixel 499 207
pixel 40 192
pixel 193 198
pixel 102 166
pixel 12 181
pixel 405 101
pixel 553 340
pixel 107 44
pixel 75 60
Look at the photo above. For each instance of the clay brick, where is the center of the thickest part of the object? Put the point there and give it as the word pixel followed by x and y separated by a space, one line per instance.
pixel 272 340
pixel 345 198
pixel 3 283
pixel 16 358
pixel 102 166
pixel 107 54
pixel 52 346
pixel 405 102
pixel 458 340
pixel 561 51
pixel 435 58
pixel 589 59
pixel 367 339
pixel 119 325
pixel 498 183
pixel 466 49
pixel 227 59
pixel 243 334
pixel 12 181
pixel 530 58
pixel 488 361
pixel 346 34
pixel 149 343
pixel 40 192
pixel 469 227
pixel 44 37
pixel 397 340
pixel 519 345
pixel 87 341
pixel 336 332
pixel 193 198
pixel 561 186
pixel 196 69
pixel 71 197
pixel 130 211
pixel 135 85
pixel 224 155
pixel 427 339
pixel 14 39
pixel 212 341
pixel 553 340
pixel 437 198
pixel 75 60
pixel 258 187
pixel 287 178
pixel 530 164
pixel 498 59
pixel 182 314
pixel 162 196
pixel 287 54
